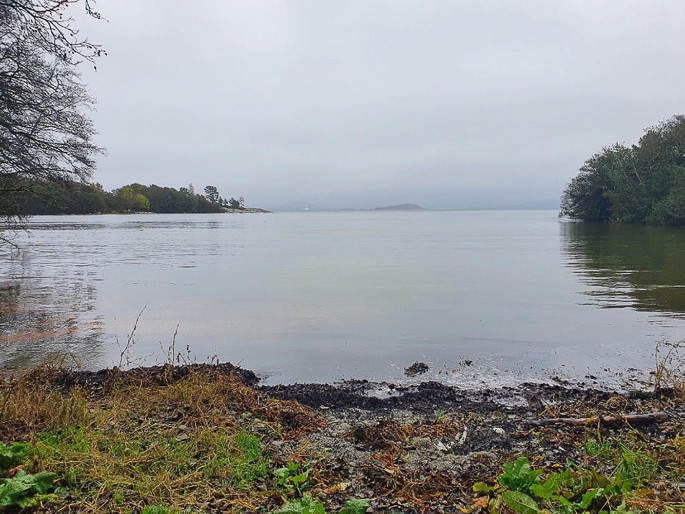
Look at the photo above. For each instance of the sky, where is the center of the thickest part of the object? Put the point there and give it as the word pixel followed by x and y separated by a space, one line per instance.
pixel 358 104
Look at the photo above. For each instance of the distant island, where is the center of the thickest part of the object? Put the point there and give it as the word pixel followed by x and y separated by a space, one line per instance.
pixel 401 207
pixel 313 207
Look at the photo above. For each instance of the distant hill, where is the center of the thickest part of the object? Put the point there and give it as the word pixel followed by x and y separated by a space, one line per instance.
pixel 401 207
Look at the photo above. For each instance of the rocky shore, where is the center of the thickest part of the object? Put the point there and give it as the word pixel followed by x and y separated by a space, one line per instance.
pixel 244 210
pixel 417 449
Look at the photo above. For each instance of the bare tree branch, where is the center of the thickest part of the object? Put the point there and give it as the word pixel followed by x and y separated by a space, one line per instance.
pixel 45 134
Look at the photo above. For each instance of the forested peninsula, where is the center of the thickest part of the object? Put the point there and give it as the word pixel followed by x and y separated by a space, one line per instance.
pixel 643 183
pixel 70 197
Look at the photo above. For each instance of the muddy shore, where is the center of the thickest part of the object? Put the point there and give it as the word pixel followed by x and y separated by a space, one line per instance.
pixel 421 448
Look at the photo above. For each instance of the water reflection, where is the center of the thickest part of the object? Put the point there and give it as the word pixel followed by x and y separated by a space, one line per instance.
pixel 635 266
pixel 46 318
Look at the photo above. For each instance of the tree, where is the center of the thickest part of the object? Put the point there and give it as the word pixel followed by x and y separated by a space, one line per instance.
pixel 129 199
pixel 212 194
pixel 644 183
pixel 44 134
pixel 587 197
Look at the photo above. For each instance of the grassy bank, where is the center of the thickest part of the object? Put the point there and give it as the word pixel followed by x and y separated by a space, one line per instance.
pixel 200 439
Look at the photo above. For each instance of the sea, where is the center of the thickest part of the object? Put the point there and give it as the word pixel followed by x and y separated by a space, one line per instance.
pixel 484 298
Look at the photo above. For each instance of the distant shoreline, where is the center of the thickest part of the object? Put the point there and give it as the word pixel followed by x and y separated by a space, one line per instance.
pixel 247 210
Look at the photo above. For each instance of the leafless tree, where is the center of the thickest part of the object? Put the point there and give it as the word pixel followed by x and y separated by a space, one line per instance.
pixel 45 132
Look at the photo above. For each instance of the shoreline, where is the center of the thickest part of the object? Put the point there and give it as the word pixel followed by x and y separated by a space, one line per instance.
pixel 419 449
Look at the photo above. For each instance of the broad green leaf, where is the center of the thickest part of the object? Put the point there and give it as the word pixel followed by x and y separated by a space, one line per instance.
pixel 304 506
pixel 300 479
pixel 14 490
pixel 42 482
pixel 520 503
pixel 519 475
pixel 281 472
pixel 589 496
pixel 546 490
pixel 14 454
pixel 355 506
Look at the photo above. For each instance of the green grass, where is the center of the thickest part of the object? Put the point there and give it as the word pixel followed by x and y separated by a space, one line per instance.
pixel 152 465
pixel 162 447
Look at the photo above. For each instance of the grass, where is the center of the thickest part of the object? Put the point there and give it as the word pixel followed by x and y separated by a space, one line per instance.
pixel 193 443
pixel 669 368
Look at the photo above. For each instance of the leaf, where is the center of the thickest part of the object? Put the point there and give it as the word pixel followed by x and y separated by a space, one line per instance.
pixel 495 506
pixel 304 506
pixel 13 455
pixel 482 487
pixel 14 490
pixel 281 472
pixel 300 479
pixel 355 506
pixel 546 490
pixel 479 503
pixel 520 503
pixel 589 496
pixel 338 488
pixel 519 475
pixel 43 481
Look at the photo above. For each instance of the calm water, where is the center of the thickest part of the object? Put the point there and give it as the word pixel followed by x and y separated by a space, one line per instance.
pixel 323 296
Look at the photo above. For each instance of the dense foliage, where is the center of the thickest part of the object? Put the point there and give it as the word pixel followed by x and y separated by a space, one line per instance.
pixel 66 197
pixel 644 183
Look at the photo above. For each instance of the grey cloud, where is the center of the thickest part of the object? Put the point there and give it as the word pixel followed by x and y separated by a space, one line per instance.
pixel 462 104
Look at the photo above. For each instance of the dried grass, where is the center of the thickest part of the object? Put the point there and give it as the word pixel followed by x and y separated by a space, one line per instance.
pixel 669 371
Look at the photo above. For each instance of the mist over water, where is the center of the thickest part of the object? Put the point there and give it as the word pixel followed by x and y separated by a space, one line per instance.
pixel 325 296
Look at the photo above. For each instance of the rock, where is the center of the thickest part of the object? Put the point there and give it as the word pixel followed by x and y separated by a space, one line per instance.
pixel 418 368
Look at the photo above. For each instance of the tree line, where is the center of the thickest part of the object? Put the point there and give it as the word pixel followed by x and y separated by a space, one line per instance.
pixel 642 183
pixel 68 197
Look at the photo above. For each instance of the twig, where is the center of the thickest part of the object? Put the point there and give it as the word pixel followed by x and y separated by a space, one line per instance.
pixel 631 419
pixel 130 341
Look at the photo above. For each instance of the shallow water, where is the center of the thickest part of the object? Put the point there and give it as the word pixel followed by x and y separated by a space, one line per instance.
pixel 323 296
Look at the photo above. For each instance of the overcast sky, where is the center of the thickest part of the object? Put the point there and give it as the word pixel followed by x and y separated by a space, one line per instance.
pixel 449 104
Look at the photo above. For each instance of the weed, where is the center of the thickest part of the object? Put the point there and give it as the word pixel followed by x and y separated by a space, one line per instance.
pixel 126 358
pixel 249 464
pixel 18 488
pixel 293 477
pixel 519 476
pixel 157 509
pixel 631 464
pixel 14 454
pixel 29 403
pixel 307 505
pixel 573 489
pixel 440 415
pixel 355 506
pixel 21 489
pixel 669 371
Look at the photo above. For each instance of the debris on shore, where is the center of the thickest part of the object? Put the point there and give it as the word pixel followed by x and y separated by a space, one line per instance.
pixel 418 368
pixel 209 438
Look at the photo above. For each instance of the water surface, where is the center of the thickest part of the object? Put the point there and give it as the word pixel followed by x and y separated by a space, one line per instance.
pixel 322 296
